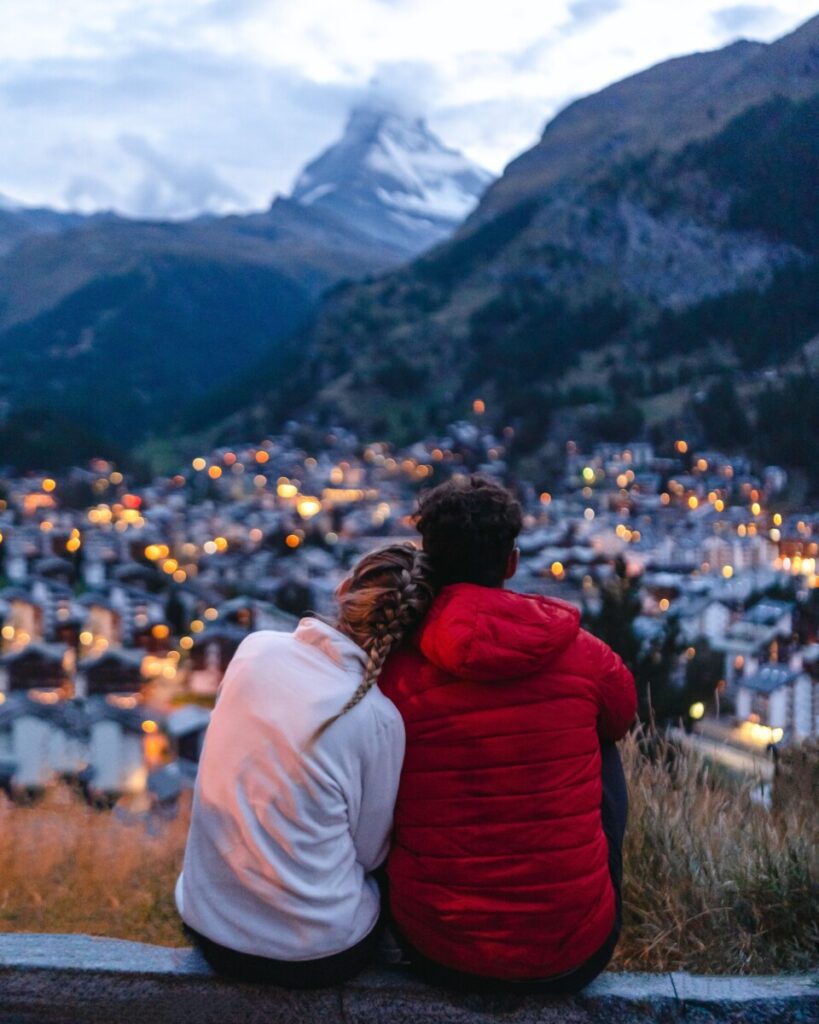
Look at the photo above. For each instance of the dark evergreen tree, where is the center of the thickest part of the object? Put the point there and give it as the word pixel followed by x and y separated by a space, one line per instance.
pixel 722 417
pixel 658 696
pixel 702 674
pixel 651 661
pixel 620 605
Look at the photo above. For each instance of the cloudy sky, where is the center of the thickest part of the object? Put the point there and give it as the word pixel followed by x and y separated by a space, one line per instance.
pixel 172 107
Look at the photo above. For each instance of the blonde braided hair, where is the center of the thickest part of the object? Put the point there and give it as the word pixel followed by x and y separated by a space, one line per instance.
pixel 387 596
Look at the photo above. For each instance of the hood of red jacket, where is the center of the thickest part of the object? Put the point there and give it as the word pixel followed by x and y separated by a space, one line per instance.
pixel 484 633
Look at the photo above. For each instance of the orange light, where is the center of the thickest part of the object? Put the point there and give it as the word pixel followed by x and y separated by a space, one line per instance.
pixel 149 726
pixel 215 472
pixel 292 540
pixel 262 457
pixel 160 631
pixel 49 484
pixel 479 406
pixel 154 747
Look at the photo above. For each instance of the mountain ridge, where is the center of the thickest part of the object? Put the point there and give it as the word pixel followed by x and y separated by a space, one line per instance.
pixel 665 106
pixel 595 266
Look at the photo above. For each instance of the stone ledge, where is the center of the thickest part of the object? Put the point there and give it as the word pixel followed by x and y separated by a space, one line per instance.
pixel 76 979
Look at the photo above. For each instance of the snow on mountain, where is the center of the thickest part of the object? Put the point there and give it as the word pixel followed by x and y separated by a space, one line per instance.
pixel 394 179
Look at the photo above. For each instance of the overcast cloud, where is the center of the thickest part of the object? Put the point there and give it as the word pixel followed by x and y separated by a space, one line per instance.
pixel 167 108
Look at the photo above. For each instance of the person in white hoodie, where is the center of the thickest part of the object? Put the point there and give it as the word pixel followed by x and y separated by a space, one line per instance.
pixel 293 804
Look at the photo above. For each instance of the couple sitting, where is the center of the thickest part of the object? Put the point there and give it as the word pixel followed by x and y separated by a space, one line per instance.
pixel 457 733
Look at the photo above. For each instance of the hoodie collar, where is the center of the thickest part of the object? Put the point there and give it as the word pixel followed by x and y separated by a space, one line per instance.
pixel 488 634
pixel 340 649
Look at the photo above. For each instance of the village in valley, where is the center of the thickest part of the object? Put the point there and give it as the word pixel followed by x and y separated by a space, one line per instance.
pixel 122 604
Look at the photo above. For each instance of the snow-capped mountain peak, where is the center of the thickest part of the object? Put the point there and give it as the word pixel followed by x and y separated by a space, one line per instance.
pixel 394 179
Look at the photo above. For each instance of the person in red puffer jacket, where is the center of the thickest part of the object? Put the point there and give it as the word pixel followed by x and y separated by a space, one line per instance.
pixel 506 862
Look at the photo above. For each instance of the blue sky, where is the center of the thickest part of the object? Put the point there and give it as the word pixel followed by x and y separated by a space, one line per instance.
pixel 168 108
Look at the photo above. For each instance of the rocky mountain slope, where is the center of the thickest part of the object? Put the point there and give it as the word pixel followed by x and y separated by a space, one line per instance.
pixel 393 179
pixel 662 233
pixel 679 101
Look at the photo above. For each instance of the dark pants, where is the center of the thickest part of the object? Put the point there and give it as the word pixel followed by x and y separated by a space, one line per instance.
pixel 322 973
pixel 614 812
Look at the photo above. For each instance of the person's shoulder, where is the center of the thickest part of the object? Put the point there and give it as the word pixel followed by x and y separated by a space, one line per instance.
pixel 368 732
pixel 254 655
pixel 591 654
pixel 383 719
pixel 261 641
pixel 383 706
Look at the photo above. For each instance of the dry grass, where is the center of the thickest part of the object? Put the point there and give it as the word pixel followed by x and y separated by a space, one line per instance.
pixel 67 868
pixel 713 882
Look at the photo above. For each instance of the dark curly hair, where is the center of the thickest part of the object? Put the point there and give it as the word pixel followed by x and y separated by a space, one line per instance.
pixel 469 525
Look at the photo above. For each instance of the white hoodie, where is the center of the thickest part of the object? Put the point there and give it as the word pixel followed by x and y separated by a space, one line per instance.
pixel 283 833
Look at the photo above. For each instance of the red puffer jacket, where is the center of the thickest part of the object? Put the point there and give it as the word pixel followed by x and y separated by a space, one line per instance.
pixel 500 865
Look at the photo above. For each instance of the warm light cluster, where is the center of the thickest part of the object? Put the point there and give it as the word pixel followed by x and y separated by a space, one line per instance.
pixel 759 735
pixel 155 552
pixel 160 666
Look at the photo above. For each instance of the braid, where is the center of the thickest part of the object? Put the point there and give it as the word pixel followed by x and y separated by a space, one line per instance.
pixel 390 593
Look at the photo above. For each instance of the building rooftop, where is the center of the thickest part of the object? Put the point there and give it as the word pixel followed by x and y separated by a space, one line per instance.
pixel 769 678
